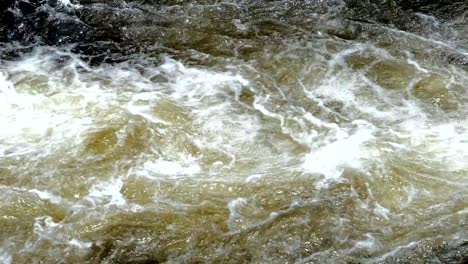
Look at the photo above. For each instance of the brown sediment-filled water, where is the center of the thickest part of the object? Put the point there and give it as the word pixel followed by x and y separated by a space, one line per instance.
pixel 246 132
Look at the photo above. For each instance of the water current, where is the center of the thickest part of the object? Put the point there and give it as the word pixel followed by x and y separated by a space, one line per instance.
pixel 237 132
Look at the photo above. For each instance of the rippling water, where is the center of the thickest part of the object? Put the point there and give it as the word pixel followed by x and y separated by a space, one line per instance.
pixel 244 132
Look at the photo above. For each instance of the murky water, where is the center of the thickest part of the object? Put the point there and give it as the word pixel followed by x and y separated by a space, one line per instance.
pixel 247 132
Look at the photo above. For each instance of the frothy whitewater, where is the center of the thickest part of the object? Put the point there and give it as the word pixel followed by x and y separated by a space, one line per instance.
pixel 304 151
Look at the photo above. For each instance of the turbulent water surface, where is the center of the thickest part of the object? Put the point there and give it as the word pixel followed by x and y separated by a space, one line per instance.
pixel 234 132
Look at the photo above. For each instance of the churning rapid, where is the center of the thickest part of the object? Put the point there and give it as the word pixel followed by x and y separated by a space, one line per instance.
pixel 234 131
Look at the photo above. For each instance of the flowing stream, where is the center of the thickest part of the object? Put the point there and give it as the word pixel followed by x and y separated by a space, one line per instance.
pixel 237 132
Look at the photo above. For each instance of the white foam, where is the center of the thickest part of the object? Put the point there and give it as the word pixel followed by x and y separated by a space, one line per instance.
pixel 166 167
pixel 412 192
pixel 5 255
pixel 80 244
pixel 225 130
pixel 446 143
pixel 45 227
pixel 233 206
pixel 32 122
pixel 394 251
pixel 259 104
pixel 192 85
pixel 382 211
pixel 44 195
pixel 413 62
pixel 346 149
pixel 107 193
pixel 67 3
pixel 254 178
pixel 370 243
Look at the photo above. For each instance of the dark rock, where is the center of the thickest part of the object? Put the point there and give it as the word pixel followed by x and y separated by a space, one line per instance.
pixel 441 8
pixel 401 13
pixel 41 22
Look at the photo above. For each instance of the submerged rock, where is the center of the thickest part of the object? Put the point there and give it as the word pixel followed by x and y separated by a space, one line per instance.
pixel 27 23
pixel 44 22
